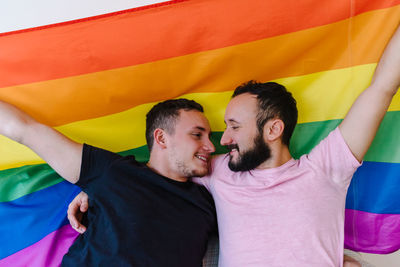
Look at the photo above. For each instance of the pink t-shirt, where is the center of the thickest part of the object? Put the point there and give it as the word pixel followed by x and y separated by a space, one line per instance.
pixel 292 215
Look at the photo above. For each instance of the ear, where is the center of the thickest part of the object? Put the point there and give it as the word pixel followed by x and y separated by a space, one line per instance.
pixel 273 129
pixel 160 137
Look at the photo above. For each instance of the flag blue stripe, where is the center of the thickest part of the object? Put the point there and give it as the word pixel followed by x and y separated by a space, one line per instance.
pixel 30 218
pixel 375 188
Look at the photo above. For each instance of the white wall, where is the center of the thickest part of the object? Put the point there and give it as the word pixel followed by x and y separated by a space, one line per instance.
pixel 390 260
pixel 21 14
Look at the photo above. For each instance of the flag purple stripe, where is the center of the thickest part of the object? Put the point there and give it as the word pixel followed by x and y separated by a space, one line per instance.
pixel 46 252
pixel 371 232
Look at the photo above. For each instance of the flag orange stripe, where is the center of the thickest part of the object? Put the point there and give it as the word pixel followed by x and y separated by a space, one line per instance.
pixel 328 47
pixel 95 45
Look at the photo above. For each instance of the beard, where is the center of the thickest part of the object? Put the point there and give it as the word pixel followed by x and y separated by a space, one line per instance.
pixel 188 172
pixel 184 166
pixel 252 158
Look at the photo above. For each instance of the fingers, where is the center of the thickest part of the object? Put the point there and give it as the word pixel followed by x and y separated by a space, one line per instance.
pixel 350 262
pixel 75 212
pixel 80 228
pixel 84 202
pixel 74 215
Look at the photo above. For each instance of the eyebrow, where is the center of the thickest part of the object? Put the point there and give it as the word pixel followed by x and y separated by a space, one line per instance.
pixel 232 120
pixel 200 128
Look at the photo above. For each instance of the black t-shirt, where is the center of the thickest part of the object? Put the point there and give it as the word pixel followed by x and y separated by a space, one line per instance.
pixel 139 218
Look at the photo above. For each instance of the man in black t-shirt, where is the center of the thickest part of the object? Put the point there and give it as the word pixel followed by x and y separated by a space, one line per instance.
pixel 140 214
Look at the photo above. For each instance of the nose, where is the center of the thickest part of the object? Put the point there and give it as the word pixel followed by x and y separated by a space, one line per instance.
pixel 226 138
pixel 209 146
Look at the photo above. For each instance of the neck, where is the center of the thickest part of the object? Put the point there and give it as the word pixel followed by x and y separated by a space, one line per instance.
pixel 161 168
pixel 279 156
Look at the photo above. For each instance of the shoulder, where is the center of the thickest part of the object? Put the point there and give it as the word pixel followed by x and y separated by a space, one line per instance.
pixel 333 145
pixel 219 163
pixel 333 157
pixel 96 161
pixel 100 154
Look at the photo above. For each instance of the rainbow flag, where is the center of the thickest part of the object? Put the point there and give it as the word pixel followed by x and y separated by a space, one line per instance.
pixel 94 80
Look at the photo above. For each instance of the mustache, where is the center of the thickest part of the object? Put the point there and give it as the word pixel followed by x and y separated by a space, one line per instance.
pixel 233 146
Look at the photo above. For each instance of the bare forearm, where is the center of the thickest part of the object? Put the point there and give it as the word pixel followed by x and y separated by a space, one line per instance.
pixel 61 153
pixel 362 121
pixel 13 122
pixel 387 73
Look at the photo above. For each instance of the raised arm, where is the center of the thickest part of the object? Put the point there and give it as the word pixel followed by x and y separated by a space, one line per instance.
pixel 362 121
pixel 61 153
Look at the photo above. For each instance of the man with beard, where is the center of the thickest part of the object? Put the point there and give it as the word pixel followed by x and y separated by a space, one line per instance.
pixel 274 210
pixel 141 214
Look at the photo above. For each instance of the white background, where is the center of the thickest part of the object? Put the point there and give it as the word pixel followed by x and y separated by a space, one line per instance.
pixel 21 14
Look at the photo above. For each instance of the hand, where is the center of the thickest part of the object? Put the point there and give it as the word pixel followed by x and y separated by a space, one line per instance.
pixel 76 209
pixel 350 262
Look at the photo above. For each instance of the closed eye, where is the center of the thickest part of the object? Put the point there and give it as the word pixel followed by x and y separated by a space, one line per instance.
pixel 197 135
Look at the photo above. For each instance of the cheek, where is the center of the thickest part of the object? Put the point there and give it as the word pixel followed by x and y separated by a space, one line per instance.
pixel 245 142
pixel 187 149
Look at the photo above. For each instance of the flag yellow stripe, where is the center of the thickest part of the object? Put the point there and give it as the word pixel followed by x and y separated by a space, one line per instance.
pixel 321 96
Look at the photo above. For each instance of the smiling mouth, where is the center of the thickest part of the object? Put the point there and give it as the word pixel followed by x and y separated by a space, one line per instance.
pixel 202 158
pixel 233 149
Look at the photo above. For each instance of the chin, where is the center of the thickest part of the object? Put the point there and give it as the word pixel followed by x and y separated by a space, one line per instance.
pixel 233 161
pixel 200 173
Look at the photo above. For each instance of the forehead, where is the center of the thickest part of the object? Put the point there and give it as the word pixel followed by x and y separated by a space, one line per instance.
pixel 191 119
pixel 241 108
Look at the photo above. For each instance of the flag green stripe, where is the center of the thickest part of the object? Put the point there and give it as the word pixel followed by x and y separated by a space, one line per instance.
pixel 17 182
pixel 384 148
